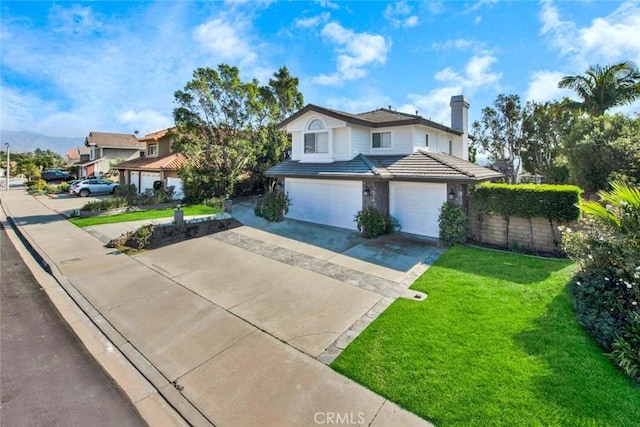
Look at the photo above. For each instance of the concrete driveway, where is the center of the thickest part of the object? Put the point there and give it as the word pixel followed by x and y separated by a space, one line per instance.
pixel 311 286
pixel 231 327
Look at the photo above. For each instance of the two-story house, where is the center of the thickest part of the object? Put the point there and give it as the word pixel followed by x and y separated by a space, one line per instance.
pixel 158 162
pixel 400 164
pixel 106 149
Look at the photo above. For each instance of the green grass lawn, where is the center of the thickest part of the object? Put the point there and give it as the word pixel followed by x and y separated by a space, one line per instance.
pixel 137 216
pixel 495 343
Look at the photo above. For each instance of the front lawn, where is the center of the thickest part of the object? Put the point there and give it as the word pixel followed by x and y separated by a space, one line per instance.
pixel 137 216
pixel 495 343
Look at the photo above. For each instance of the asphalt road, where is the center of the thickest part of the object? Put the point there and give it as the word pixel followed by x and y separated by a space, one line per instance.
pixel 46 376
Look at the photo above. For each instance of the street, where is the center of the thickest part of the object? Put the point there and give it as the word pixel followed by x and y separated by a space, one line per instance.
pixel 47 378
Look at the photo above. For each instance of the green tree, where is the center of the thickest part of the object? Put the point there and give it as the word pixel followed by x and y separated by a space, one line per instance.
pixel 47 159
pixel 601 88
pixel 602 149
pixel 543 129
pixel 224 126
pixel 499 133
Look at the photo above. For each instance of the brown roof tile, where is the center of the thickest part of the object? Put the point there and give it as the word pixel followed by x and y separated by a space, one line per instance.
pixel 173 161
pixel 117 140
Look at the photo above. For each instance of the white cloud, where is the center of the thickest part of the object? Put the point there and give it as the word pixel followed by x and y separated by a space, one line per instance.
pixel 226 38
pixel 479 4
pixel 328 4
pixel 399 14
pixel 356 53
pixel 543 87
pixel 607 39
pixel 477 75
pixel 74 19
pixel 312 21
pixel 146 119
pixel 463 45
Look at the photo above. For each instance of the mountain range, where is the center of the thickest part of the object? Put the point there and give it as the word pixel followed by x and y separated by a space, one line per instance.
pixel 26 141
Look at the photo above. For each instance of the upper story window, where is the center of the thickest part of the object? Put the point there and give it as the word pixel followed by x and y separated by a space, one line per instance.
pixel 426 140
pixel 316 138
pixel 450 147
pixel 381 140
pixel 92 152
pixel 152 149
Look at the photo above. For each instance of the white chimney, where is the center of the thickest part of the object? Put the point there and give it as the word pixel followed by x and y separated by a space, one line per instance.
pixel 460 121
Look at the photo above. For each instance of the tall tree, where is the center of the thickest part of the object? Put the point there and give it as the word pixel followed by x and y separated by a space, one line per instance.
pixel 222 126
pixel 543 129
pixel 601 88
pixel 603 149
pixel 499 134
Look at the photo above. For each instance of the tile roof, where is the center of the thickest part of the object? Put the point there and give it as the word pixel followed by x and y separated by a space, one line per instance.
pixel 155 135
pixel 381 117
pixel 356 168
pixel 119 140
pixel 172 161
pixel 420 166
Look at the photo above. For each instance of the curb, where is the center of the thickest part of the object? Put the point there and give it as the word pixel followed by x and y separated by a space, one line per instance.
pixel 150 403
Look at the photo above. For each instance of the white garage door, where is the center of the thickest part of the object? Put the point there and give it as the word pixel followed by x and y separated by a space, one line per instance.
pixel 147 179
pixel 417 206
pixel 324 201
pixel 177 187
pixel 135 179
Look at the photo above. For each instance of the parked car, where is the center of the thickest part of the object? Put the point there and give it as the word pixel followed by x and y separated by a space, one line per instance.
pixel 51 175
pixel 93 186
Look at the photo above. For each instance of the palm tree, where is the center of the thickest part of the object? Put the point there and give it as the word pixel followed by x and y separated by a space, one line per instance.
pixel 604 87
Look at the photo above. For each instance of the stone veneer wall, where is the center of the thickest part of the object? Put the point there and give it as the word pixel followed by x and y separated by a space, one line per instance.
pixel 536 235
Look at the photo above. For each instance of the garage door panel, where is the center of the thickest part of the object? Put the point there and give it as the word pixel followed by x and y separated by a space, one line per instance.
pixel 147 179
pixel 330 202
pixel 417 206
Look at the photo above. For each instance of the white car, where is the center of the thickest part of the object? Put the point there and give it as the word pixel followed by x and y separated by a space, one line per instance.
pixel 87 187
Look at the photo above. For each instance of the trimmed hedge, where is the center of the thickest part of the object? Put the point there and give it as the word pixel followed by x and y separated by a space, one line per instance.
pixel 554 202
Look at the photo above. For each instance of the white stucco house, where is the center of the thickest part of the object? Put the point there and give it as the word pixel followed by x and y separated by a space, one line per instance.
pixel 401 164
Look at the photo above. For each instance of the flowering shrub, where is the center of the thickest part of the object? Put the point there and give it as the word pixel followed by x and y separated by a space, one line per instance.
pixel 606 247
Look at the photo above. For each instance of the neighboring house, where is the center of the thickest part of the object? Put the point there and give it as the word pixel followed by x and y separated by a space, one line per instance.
pixel 401 164
pixel 159 163
pixel 106 149
pixel 76 155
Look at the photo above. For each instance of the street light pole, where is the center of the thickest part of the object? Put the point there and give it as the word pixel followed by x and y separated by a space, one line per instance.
pixel 8 167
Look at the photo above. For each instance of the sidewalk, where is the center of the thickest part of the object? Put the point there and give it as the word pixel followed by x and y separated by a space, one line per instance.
pixel 211 366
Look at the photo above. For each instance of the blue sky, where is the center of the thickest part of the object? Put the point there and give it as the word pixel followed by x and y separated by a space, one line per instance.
pixel 69 68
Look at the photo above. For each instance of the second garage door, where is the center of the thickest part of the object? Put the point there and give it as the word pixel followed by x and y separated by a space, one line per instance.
pixel 417 206
pixel 331 202
pixel 147 179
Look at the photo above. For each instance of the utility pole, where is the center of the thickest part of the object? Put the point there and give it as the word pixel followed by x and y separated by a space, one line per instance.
pixel 8 167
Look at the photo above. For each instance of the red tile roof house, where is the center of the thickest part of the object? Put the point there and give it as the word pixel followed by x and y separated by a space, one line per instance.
pixel 159 163
pixel 78 154
pixel 401 164
pixel 105 149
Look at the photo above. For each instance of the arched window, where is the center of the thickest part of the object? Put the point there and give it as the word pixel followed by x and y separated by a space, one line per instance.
pixel 316 138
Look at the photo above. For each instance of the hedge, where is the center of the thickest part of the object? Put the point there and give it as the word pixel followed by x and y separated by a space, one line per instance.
pixel 554 202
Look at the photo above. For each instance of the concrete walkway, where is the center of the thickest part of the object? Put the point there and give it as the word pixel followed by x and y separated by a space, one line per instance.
pixel 211 348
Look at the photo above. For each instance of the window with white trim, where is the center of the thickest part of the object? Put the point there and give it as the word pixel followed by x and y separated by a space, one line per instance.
pixel 426 140
pixel 152 149
pixel 381 140
pixel 450 147
pixel 316 138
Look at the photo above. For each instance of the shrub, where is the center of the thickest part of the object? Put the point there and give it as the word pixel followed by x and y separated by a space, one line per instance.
pixel 606 247
pixel 555 202
pixel 272 206
pixel 214 202
pixel 142 236
pixel 626 349
pixel 129 192
pixel 114 202
pixel 453 223
pixel 371 223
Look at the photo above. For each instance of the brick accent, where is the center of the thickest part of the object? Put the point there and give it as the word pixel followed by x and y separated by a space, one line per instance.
pixel 536 235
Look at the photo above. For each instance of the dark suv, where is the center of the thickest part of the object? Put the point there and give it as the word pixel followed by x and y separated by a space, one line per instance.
pixel 50 175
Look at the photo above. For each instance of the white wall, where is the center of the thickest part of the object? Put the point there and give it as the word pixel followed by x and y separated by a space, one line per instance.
pixel 341 143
